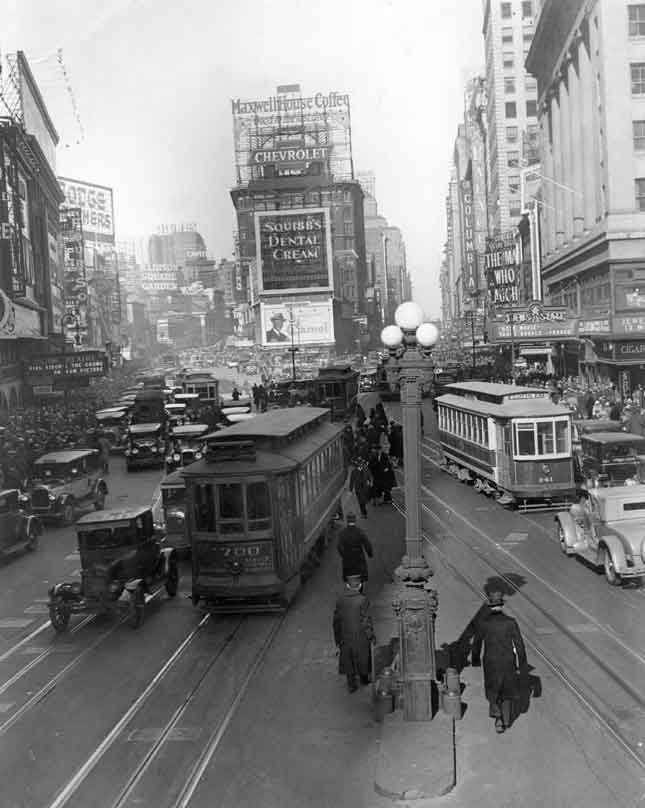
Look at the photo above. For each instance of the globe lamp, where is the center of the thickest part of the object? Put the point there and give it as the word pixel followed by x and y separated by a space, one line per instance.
pixel 408 316
pixel 427 335
pixel 391 336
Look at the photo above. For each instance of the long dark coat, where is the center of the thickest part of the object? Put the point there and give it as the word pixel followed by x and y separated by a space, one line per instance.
pixel 360 482
pixel 353 545
pixel 502 641
pixel 353 633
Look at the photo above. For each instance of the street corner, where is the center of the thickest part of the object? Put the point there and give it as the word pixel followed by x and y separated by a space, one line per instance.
pixel 416 760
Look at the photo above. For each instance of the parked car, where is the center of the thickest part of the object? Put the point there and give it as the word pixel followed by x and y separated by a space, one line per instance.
pixel 121 554
pixel 64 482
pixel 18 530
pixel 611 458
pixel 590 426
pixel 607 528
pixel 169 509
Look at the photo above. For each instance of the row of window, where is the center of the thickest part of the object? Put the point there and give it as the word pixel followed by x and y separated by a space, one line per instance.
pixel 510 84
pixel 510 109
pixel 636 19
pixel 506 9
pixel 513 133
pixel 232 507
pixel 508 59
pixel 473 428
pixel 541 438
pixel 317 198
pixel 507 35
pixel 317 473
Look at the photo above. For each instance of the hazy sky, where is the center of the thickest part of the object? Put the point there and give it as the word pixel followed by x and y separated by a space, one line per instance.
pixel 152 82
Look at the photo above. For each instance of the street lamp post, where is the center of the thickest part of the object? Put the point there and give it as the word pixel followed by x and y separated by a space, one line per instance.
pixel 409 343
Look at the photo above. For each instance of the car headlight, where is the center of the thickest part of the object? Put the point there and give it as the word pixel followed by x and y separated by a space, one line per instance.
pixel 52 497
pixel 127 453
pixel 135 451
pixel 176 457
pixel 198 455
pixel 169 459
pixel 154 449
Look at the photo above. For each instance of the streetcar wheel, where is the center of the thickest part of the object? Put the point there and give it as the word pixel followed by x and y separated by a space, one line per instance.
pixel 562 540
pixel 613 578
pixel 99 502
pixel 172 580
pixel 136 606
pixel 59 614
pixel 68 514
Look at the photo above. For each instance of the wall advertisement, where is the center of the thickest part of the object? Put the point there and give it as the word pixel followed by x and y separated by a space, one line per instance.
pixel 72 365
pixel 469 269
pixel 96 206
pixel 535 322
pixel 294 251
pixel 311 322
pixel 16 320
pixel 502 270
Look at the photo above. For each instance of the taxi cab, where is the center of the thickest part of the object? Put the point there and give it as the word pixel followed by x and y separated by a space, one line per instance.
pixel 611 458
pixel 65 482
pixel 145 446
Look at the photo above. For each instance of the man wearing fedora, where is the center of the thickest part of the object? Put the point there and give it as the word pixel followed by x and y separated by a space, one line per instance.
pixel 353 633
pixel 276 334
pixel 353 546
pixel 504 660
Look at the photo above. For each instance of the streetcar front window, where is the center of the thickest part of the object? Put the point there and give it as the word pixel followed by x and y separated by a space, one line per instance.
pixel 545 438
pixel 525 440
pixel 258 504
pixel 542 439
pixel 561 437
pixel 231 507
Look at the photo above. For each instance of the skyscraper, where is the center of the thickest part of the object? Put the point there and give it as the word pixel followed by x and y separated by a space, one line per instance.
pixel 512 104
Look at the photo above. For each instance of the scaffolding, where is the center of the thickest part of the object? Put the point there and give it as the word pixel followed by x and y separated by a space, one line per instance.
pixel 317 128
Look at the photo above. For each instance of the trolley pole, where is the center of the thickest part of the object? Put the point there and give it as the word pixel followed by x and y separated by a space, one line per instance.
pixel 409 343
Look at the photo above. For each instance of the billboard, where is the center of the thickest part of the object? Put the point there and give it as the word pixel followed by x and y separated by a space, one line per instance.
pixel 502 270
pixel 72 365
pixel 96 205
pixel 293 251
pixel 306 322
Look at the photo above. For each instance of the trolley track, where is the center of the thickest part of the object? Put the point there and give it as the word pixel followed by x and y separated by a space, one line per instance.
pixel 587 694
pixel 146 772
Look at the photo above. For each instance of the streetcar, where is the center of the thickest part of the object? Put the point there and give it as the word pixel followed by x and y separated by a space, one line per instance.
pixel 260 507
pixel 512 443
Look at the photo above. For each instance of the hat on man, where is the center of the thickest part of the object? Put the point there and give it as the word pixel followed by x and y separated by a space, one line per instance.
pixel 351 518
pixel 277 316
pixel 353 582
pixel 495 599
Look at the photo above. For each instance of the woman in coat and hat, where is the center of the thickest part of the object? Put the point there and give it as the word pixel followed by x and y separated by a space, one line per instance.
pixel 353 633
pixel 504 659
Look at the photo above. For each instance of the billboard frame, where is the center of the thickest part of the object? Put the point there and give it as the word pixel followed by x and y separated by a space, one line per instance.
pixel 297 290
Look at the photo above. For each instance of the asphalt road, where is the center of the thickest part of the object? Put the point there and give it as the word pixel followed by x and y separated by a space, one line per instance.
pixel 250 711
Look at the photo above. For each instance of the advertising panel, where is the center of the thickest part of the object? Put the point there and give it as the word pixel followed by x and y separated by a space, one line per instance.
pixel 469 269
pixel 34 113
pixel 310 322
pixel 535 322
pixel 72 365
pixel 96 206
pixel 13 274
pixel 630 296
pixel 630 324
pixel 293 251
pixel 501 267
pixel 601 325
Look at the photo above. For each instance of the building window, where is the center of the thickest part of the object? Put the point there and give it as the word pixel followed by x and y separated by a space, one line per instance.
pixel 513 159
pixel 638 78
pixel 515 210
pixel 639 135
pixel 527 36
pixel 507 61
pixel 640 194
pixel 530 84
pixel 348 228
pixel 531 109
pixel 636 19
pixel 507 11
pixel 514 184
pixel 507 36
pixel 532 131
pixel 527 9
pixel 510 109
pixel 511 134
pixel 509 84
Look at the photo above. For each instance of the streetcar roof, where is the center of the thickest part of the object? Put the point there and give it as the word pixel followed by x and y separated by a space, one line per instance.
pixel 500 391
pixel 521 408
pixel 275 423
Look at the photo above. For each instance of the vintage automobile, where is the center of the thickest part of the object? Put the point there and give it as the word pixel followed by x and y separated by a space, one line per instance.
pixel 610 458
pixel 146 446
pixel 590 426
pixel 18 530
pixel 64 482
pixel 176 413
pixel 123 563
pixel 113 426
pixel 607 528
pixel 186 444
pixel 169 511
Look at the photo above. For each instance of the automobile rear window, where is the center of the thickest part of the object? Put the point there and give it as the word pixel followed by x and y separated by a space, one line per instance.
pixel 634 506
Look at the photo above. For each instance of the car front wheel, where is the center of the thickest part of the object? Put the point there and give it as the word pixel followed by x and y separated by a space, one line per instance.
pixel 32 538
pixel 99 502
pixel 613 578
pixel 172 580
pixel 59 614
pixel 136 606
pixel 68 513
pixel 562 540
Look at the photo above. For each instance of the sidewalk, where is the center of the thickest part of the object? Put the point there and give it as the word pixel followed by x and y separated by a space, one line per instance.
pixel 539 761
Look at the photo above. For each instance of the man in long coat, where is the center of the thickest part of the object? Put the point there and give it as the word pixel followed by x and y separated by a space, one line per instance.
pixel 504 659
pixel 360 482
pixel 353 633
pixel 353 546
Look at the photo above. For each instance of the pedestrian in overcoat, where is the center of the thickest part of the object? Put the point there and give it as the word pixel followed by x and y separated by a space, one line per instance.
pixel 360 482
pixel 354 548
pixel 504 660
pixel 353 633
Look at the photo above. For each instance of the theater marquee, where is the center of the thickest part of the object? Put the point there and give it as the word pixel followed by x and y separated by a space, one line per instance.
pixel 293 251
